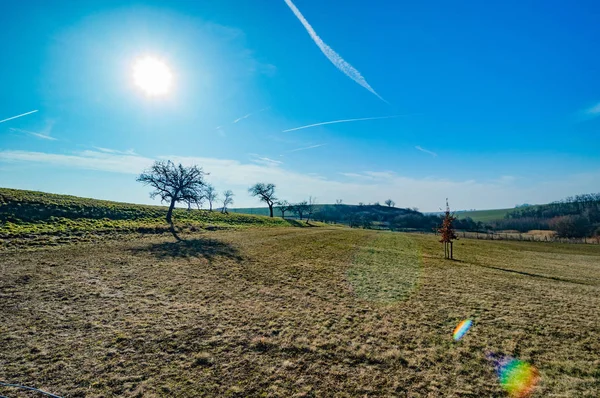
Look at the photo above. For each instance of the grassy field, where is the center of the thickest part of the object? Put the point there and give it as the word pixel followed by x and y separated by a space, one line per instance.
pixel 284 312
pixel 257 211
pixel 29 217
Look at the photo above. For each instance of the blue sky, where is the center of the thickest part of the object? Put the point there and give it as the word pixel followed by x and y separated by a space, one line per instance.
pixel 499 103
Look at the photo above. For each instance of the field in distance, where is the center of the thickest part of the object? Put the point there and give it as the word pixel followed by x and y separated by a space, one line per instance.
pixel 297 312
pixel 476 215
pixel 484 215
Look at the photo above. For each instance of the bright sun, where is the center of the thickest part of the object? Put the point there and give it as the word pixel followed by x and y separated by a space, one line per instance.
pixel 152 75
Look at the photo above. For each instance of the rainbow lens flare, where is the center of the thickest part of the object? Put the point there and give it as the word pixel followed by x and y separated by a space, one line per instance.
pixel 517 378
pixel 462 329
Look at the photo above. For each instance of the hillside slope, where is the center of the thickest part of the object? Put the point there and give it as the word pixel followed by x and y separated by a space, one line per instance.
pixel 24 213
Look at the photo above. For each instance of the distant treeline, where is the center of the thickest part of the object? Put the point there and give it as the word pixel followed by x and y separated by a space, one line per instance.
pixel 377 216
pixel 574 217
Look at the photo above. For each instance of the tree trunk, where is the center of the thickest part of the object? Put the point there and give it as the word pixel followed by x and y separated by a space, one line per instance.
pixel 210 204
pixel 170 219
pixel 271 210
pixel 451 253
pixel 170 212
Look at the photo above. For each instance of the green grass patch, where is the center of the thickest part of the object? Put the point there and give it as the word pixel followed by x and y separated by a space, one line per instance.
pixel 387 270
pixel 485 215
pixel 24 214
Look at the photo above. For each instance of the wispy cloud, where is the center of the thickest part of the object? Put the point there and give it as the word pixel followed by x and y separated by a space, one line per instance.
pixel 594 110
pixel 108 150
pixel 334 57
pixel 33 133
pixel 21 115
pixel 426 151
pixel 250 114
pixel 307 147
pixel 341 121
pixel 265 161
pixel 368 186
pixel 221 129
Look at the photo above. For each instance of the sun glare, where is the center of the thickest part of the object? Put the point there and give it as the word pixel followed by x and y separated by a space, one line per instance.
pixel 152 75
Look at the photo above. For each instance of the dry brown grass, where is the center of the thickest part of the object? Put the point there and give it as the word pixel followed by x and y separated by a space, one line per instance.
pixel 541 232
pixel 279 312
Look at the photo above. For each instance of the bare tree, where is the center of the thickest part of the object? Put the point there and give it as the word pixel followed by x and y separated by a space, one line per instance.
pixel 227 200
pixel 338 201
pixel 199 202
pixel 210 193
pixel 300 208
pixel 265 193
pixel 310 207
pixel 390 203
pixel 174 184
pixel 284 206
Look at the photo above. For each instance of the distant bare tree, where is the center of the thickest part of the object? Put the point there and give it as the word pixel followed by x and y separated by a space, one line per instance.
pixel 174 184
pixel 300 208
pixel 390 203
pixel 265 193
pixel 310 207
pixel 227 200
pixel 199 202
pixel 210 193
pixel 284 206
pixel 338 201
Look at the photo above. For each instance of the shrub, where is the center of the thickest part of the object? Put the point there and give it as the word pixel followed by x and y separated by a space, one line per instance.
pixel 571 226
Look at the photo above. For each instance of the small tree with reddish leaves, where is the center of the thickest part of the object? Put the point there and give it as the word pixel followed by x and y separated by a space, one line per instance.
pixel 447 232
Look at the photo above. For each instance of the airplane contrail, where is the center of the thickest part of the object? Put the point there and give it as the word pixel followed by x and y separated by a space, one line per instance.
pixel 418 147
pixel 308 147
pixel 33 133
pixel 21 115
pixel 341 121
pixel 250 114
pixel 334 57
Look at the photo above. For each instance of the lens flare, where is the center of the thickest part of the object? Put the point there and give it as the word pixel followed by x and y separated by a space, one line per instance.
pixel 462 329
pixel 517 378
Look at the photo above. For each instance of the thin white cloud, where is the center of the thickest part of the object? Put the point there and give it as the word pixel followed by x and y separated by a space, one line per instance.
pixel 369 186
pixel 33 133
pixel 21 115
pixel 426 151
pixel 250 114
pixel 342 121
pixel 91 160
pixel 594 110
pixel 351 175
pixel 334 57
pixel 307 147
pixel 265 161
pixel 108 150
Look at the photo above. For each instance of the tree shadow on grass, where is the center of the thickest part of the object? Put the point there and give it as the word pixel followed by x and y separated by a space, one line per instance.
pixel 299 223
pixel 209 249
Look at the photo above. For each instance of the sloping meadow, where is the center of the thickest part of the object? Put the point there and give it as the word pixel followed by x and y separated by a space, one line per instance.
pixel 297 312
